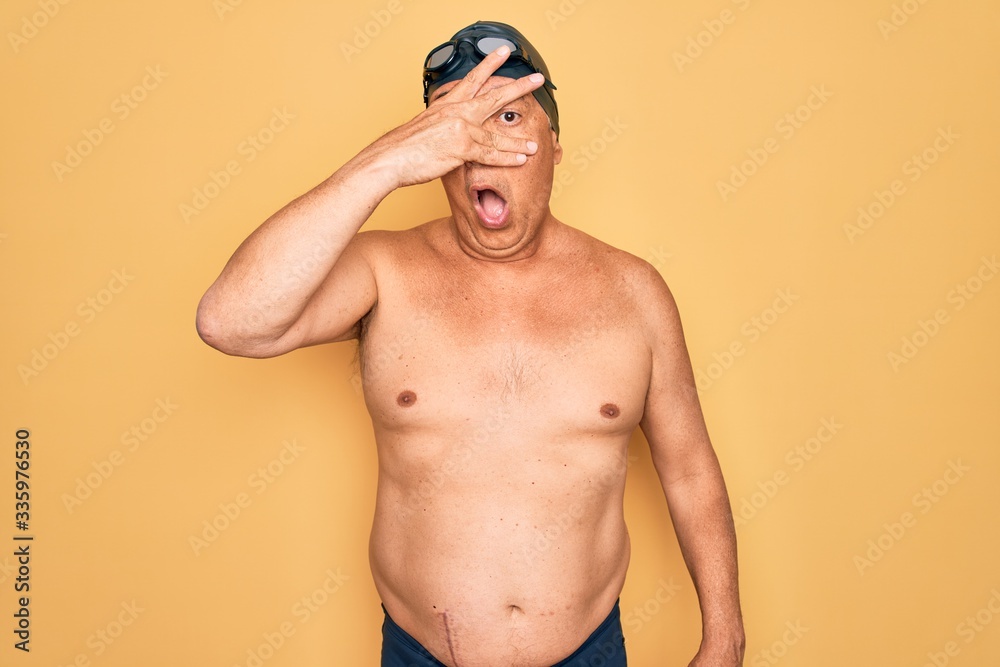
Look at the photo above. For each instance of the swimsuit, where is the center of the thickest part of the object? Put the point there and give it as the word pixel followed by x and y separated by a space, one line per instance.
pixel 604 648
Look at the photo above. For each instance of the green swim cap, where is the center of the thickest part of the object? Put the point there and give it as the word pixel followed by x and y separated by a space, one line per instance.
pixel 467 48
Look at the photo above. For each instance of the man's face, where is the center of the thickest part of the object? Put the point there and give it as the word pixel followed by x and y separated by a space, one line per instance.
pixel 498 210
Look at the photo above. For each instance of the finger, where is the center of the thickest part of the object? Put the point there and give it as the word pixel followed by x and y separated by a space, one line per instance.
pixel 470 85
pixel 489 156
pixel 472 82
pixel 500 150
pixel 493 100
pixel 506 144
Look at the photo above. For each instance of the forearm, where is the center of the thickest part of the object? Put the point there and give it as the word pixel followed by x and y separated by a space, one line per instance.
pixel 700 510
pixel 271 277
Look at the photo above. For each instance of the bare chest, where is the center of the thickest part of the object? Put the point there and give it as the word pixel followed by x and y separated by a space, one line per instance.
pixel 563 360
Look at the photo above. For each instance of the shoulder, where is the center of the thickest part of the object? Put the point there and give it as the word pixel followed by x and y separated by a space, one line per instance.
pixel 647 301
pixel 387 240
pixel 634 277
pixel 386 248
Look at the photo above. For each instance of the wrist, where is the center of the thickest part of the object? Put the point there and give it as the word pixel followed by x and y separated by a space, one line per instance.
pixel 372 171
pixel 393 162
pixel 729 643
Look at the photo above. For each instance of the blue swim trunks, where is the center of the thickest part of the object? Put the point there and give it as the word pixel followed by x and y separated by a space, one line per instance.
pixel 604 648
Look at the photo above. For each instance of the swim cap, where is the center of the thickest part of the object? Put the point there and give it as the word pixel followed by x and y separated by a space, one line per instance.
pixel 467 48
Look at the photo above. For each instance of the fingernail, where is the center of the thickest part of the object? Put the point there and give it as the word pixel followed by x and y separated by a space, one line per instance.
pixel 503 50
pixel 521 158
pixel 532 146
pixel 536 77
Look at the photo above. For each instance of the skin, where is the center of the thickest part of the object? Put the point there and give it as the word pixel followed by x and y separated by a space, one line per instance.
pixel 504 370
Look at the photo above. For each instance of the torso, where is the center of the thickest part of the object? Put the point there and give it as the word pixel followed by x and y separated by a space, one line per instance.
pixel 502 399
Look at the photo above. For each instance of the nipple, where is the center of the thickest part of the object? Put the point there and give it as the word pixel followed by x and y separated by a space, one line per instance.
pixel 406 398
pixel 610 410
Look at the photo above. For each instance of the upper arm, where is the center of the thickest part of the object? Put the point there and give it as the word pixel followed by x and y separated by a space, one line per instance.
pixel 345 296
pixel 672 421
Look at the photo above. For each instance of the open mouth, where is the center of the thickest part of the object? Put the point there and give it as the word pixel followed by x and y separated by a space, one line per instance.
pixel 490 206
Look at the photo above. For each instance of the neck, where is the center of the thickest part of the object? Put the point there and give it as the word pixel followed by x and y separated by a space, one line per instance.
pixel 511 244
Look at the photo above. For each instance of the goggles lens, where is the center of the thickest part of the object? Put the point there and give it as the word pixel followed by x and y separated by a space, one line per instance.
pixel 488 45
pixel 439 57
pixel 485 45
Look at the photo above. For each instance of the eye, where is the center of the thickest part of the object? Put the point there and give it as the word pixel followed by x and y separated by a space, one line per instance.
pixel 509 116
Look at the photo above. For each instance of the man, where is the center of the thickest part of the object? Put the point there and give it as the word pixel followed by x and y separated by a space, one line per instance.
pixel 506 359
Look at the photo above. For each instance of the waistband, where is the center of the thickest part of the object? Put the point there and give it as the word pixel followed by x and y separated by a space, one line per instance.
pixel 607 641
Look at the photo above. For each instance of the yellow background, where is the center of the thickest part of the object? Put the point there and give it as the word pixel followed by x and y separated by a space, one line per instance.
pixel 648 138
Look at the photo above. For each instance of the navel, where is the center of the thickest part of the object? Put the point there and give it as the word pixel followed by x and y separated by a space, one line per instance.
pixel 406 398
pixel 610 410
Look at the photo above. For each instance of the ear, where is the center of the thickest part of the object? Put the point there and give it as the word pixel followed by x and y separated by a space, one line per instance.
pixel 557 151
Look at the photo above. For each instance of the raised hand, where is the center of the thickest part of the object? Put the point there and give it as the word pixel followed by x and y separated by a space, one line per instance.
pixel 450 131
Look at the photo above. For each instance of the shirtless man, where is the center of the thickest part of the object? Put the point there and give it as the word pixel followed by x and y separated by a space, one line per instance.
pixel 506 359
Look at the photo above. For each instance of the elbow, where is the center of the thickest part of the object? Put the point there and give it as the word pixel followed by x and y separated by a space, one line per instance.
pixel 221 332
pixel 213 331
pixel 210 333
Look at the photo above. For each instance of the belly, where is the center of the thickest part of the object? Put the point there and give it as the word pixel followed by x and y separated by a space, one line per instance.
pixel 509 551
